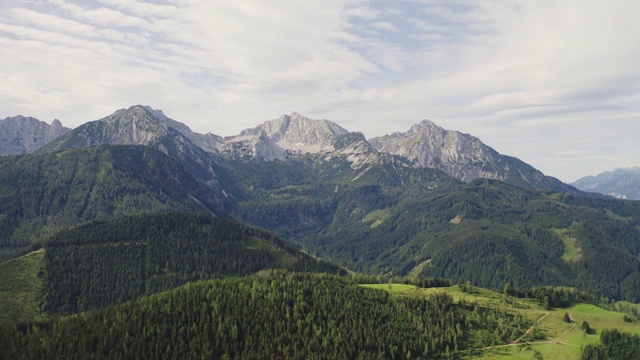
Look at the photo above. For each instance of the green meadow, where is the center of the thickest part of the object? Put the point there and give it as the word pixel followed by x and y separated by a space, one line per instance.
pixel 394 288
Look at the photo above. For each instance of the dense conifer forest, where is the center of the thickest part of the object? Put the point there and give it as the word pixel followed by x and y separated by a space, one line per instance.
pixel 392 220
pixel 421 222
pixel 273 314
pixel 109 262
pixel 614 345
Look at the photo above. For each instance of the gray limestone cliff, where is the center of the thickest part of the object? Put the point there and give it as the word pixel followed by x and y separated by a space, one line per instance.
pixel 461 156
pixel 22 135
pixel 283 137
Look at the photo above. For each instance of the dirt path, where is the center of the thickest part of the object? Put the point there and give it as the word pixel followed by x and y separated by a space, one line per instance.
pixel 517 341
pixel 528 343
pixel 572 326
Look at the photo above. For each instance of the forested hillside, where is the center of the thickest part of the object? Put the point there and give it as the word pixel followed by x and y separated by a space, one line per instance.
pixel 270 315
pixel 109 262
pixel 399 221
pixel 384 218
pixel 41 194
pixel 614 345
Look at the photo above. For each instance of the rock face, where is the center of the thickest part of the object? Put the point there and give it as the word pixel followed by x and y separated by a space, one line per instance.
pixel 425 145
pixel 22 135
pixel 142 125
pixel 462 156
pixel 208 142
pixel 137 125
pixel 288 135
pixel 622 183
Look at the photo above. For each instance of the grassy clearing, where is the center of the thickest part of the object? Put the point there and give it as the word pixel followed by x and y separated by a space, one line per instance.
pixel 418 269
pixel 613 215
pixel 390 287
pixel 548 351
pixel 572 252
pixel 621 304
pixel 484 297
pixel 586 309
pixel 561 340
pixel 20 287
pixel 377 217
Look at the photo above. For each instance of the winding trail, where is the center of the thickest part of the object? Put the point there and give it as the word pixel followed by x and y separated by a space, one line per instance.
pixel 572 326
pixel 528 343
pixel 518 342
pixel 530 329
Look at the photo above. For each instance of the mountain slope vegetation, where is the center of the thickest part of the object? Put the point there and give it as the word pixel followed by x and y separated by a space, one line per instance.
pixel 272 314
pixel 397 221
pixel 102 263
pixel 338 198
pixel 41 194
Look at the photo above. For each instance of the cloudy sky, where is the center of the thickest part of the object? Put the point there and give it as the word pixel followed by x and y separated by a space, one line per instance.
pixel 555 83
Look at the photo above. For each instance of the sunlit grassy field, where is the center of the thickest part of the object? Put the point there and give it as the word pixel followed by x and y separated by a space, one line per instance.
pixel 561 340
pixel 390 287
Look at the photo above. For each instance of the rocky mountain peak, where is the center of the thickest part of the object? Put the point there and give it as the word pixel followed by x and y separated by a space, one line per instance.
pixel 141 125
pixel 297 132
pixel 425 126
pixel 22 134
pixel 353 142
pixel 137 125
pixel 285 136
pixel 56 124
pixel 462 156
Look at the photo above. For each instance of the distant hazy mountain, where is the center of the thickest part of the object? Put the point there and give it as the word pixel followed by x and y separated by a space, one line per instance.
pixel 21 135
pixel 461 155
pixel 623 183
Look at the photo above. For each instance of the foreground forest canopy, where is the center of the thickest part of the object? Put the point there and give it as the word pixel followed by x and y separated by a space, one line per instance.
pixel 273 314
pixel 110 262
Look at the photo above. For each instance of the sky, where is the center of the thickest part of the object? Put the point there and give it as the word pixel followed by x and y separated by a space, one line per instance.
pixel 554 83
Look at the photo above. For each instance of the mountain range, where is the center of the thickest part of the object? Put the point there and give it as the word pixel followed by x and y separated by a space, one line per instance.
pixel 424 145
pixel 622 183
pixel 427 202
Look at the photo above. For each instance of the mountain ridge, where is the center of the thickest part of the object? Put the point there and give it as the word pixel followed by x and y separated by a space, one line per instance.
pixel 425 144
pixel 460 155
pixel 23 134
pixel 621 183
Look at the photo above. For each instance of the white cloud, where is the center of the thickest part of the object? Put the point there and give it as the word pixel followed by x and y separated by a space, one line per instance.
pixel 542 80
pixel 384 25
